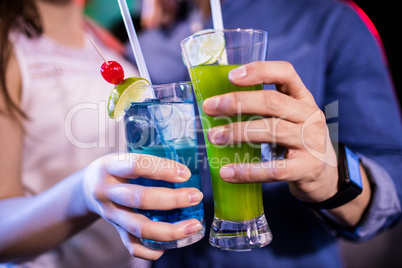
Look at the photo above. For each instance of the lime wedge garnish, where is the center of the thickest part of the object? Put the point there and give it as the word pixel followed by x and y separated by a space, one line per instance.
pixel 127 91
pixel 205 48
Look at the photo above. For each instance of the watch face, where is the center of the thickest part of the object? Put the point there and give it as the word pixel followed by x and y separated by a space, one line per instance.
pixel 353 167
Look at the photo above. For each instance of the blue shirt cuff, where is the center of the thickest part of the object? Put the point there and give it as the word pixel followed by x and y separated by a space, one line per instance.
pixel 384 205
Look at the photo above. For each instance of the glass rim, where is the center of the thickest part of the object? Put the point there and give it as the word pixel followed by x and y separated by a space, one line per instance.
pixel 167 86
pixel 211 31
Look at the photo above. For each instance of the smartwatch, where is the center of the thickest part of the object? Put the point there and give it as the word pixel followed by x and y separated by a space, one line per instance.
pixel 349 182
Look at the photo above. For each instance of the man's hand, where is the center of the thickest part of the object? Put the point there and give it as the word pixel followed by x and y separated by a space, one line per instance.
pixel 291 119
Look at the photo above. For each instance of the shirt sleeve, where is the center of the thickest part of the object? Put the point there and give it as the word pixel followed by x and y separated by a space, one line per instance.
pixel 383 208
pixel 369 119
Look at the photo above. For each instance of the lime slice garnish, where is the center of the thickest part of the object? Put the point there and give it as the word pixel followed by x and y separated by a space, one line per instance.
pixel 127 91
pixel 205 48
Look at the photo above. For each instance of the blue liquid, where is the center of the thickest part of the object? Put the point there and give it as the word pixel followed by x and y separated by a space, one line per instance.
pixel 143 138
pixel 188 156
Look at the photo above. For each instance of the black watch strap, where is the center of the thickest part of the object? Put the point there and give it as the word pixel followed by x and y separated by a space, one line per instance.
pixel 349 183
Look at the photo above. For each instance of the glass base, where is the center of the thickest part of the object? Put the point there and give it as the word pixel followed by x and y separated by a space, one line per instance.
pixel 175 244
pixel 240 235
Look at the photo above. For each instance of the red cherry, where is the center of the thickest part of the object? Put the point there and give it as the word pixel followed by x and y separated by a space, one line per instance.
pixel 112 72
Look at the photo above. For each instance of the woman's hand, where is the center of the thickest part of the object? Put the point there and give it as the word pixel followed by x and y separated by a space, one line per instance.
pixel 291 119
pixel 109 195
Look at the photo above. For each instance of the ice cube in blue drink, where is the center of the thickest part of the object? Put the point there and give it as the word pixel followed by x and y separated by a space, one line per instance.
pixel 140 132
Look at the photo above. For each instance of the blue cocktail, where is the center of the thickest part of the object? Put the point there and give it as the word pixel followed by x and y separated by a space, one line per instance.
pixel 165 127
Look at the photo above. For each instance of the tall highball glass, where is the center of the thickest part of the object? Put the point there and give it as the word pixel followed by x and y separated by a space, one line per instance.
pixel 165 127
pixel 239 221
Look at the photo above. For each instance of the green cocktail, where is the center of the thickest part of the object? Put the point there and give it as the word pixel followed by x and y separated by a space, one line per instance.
pixel 239 222
pixel 233 202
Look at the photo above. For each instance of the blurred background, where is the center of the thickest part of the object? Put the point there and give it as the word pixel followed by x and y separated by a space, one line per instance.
pixel 384 250
pixel 107 14
pixel 383 14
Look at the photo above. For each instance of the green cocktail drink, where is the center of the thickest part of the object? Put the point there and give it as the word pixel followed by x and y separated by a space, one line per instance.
pixel 239 222
pixel 233 202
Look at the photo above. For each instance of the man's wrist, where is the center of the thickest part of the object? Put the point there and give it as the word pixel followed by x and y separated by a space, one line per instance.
pixel 349 181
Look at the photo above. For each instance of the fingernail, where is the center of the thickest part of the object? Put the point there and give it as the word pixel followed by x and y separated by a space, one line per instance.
pixel 227 172
pixel 238 73
pixel 195 197
pixel 182 171
pixel 211 103
pixel 192 228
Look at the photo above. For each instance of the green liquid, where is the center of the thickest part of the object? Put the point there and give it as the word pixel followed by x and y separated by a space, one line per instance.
pixel 233 202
